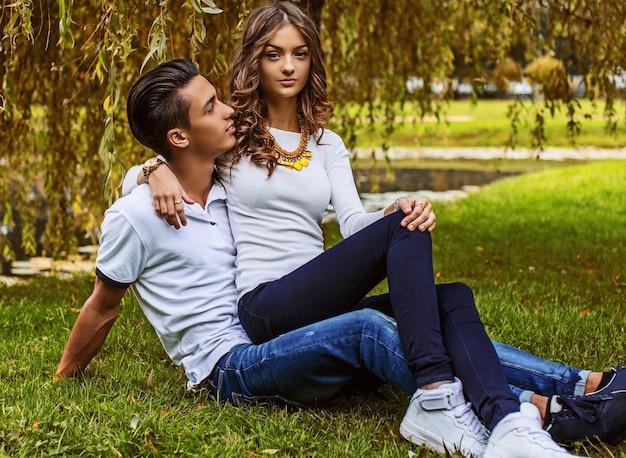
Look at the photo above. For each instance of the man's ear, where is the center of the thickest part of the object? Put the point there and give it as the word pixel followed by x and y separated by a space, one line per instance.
pixel 178 138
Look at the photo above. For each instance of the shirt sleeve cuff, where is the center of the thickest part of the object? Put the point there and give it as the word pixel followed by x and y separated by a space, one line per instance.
pixel 110 282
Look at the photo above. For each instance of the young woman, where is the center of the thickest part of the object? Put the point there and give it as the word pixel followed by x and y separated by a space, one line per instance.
pixel 284 171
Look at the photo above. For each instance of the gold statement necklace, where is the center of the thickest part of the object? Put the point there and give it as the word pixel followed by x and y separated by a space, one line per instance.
pixel 297 159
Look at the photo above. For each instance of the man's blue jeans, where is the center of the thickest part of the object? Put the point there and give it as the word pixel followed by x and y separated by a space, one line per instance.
pixel 310 364
pixel 528 374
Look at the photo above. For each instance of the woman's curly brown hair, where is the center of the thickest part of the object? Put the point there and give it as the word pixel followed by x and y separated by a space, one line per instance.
pixel 246 97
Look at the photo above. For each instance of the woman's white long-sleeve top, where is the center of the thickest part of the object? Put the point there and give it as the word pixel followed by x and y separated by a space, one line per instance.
pixel 276 220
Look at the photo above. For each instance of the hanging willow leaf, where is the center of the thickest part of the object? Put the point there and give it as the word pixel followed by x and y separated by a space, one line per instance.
pixel 205 6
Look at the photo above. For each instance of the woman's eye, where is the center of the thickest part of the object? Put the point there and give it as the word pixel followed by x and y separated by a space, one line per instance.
pixel 273 55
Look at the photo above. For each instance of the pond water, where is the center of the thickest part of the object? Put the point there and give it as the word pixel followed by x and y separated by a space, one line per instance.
pixel 434 184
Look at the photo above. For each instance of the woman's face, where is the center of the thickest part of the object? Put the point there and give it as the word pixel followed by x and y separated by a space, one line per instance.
pixel 285 64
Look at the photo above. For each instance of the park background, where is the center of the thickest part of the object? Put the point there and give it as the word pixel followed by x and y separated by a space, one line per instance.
pixel 544 251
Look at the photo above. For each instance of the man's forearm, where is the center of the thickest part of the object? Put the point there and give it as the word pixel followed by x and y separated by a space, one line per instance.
pixel 87 337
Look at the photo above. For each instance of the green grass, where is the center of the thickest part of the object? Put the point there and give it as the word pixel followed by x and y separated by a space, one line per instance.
pixel 544 252
pixel 486 124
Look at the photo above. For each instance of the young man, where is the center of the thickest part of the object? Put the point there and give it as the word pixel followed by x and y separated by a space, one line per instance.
pixel 184 282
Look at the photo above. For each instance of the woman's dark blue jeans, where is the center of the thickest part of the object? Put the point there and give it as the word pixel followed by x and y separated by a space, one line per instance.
pixel 440 330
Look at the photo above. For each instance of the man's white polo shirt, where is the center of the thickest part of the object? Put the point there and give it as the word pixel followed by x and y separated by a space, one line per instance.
pixel 184 279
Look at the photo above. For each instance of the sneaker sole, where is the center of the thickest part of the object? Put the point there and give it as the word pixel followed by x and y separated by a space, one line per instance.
pixel 618 439
pixel 422 437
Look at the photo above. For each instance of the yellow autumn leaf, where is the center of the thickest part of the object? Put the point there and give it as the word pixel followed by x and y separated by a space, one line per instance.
pixel 106 103
pixel 150 382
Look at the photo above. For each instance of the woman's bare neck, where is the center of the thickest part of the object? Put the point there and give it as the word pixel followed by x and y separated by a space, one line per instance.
pixel 284 117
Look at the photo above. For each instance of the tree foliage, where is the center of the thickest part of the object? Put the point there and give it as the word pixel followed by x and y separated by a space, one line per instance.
pixel 66 67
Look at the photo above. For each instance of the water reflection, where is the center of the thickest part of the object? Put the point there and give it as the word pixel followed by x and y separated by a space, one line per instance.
pixel 436 180
pixel 434 184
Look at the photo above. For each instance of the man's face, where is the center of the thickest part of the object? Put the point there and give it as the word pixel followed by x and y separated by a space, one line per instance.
pixel 212 130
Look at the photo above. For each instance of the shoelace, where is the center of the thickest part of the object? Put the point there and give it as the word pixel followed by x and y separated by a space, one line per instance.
pixel 466 416
pixel 543 438
pixel 584 408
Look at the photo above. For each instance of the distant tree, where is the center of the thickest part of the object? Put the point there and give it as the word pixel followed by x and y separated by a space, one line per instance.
pixel 549 73
pixel 66 67
pixel 505 72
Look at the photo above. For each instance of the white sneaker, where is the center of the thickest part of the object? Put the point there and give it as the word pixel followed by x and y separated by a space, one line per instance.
pixel 443 420
pixel 520 435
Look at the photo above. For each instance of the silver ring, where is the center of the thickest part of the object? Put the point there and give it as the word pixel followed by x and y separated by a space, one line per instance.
pixel 178 202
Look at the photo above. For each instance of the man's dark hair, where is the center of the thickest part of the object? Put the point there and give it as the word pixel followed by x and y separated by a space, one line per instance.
pixel 155 106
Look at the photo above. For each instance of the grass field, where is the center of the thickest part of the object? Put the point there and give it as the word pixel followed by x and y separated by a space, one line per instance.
pixel 544 252
pixel 486 124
